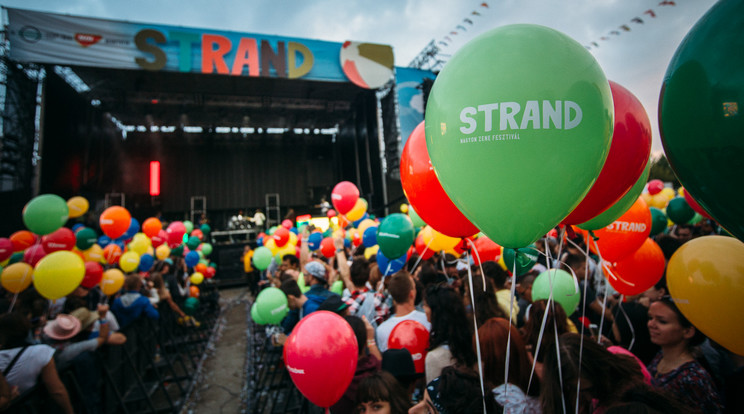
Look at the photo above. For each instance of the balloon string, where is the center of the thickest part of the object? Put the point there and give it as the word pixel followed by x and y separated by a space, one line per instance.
pixel 558 358
pixel 630 325
pixel 548 263
pixel 421 256
pixel 480 263
pixel 12 303
pixel 511 315
pixel 477 337
pixel 583 318
pixel 605 282
pixel 15 296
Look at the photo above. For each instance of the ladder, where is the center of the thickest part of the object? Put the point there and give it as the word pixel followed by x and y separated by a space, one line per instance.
pixel 114 199
pixel 198 207
pixel 273 211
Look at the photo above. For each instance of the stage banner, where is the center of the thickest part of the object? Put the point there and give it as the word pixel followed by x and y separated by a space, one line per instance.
pixel 408 84
pixel 80 41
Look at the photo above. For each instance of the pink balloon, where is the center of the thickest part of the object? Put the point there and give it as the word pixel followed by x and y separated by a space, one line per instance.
pixel 321 357
pixel 287 224
pixel 175 231
pixel 33 254
pixel 6 248
pixel 344 196
pixel 655 187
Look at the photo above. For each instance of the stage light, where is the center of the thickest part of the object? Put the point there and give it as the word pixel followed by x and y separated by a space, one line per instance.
pixel 154 178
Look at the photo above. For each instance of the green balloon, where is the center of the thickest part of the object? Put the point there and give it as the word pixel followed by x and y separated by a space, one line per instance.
pixel 415 218
pixel 564 289
pixel 395 235
pixel 696 219
pixel 190 306
pixel 658 221
pixel 524 257
pixel 45 214
pixel 701 114
pixel 205 229
pixel 679 211
pixel 272 305
pixel 189 226
pixel 206 249
pixel 262 257
pixel 338 287
pixel 213 265
pixel 518 126
pixel 271 230
pixel 301 284
pixel 621 206
pixel 255 316
pixel 193 242
pixel 328 233
pixel 185 238
pixel 177 251
pixel 15 258
pixel 85 238
pixel 205 262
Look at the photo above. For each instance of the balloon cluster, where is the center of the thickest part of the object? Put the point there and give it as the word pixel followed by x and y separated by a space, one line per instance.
pixel 57 259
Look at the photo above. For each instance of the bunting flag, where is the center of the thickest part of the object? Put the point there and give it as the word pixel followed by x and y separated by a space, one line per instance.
pixel 615 32
pixel 604 38
pixel 637 20
pixel 453 33
pixel 626 28
pixel 667 3
pixel 650 13
pixel 461 27
pixel 468 21
pixel 595 44
pixel 447 38
pixel 442 43
pixel 475 13
pixel 484 4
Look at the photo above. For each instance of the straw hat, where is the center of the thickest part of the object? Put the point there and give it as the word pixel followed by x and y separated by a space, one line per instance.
pixel 85 316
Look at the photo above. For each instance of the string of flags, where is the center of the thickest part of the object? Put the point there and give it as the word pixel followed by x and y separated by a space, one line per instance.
pixel 463 26
pixel 648 14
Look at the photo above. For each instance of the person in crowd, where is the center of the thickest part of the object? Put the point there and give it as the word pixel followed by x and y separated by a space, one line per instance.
pixel 166 298
pixel 450 267
pixel 531 330
pixel 599 376
pixel 399 363
pixel 630 331
pixel 131 305
pixel 23 365
pixel 486 304
pixel 403 291
pixel 380 393
pixel 668 244
pixel 654 293
pixel 367 364
pixel 335 304
pixel 644 399
pixel 316 277
pixel 259 219
pixel 457 390
pixel 682 232
pixel 428 274
pixel 250 273
pixel 361 298
pixel 450 340
pixel 675 368
pixel 7 393
pixel 499 277
pixel 593 307
pixel 512 395
pixel 524 291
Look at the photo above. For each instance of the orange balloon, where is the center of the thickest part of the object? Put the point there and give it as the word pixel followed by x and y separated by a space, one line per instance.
pixel 625 235
pixel 112 253
pixel 194 292
pixel 638 272
pixel 151 227
pixel 22 240
pixel 115 221
pixel 201 268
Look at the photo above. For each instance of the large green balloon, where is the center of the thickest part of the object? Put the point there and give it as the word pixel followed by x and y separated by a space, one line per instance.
pixel 395 235
pixel 701 113
pixel 518 126
pixel 564 289
pixel 679 211
pixel 255 316
pixel 658 221
pixel 262 257
pixel 621 206
pixel 525 259
pixel 45 214
pixel 272 305
pixel 415 218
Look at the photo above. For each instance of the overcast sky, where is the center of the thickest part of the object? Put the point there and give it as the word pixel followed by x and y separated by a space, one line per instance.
pixel 636 59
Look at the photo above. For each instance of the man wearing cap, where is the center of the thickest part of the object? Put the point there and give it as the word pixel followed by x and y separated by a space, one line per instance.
pixel 315 277
pixel 403 290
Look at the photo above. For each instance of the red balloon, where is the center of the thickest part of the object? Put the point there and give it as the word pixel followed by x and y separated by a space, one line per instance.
pixel 151 227
pixel 93 275
pixel 61 239
pixel 356 239
pixel 210 272
pixel 33 254
pixel 281 236
pixel 695 206
pixel 175 232
pixel 655 186
pixel 327 248
pixel 412 336
pixel 115 221
pixel 6 248
pixel 636 273
pixel 625 235
pixel 22 240
pixel 487 250
pixel 421 248
pixel 629 152
pixel 425 193
pixel 332 213
pixel 321 357
pixel 159 239
pixel 287 224
pixel 344 196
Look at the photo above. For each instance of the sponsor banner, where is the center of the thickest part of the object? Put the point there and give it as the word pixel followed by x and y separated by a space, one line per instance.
pixel 410 99
pixel 71 40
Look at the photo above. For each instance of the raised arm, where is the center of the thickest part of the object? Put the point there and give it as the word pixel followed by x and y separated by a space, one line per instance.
pixel 343 266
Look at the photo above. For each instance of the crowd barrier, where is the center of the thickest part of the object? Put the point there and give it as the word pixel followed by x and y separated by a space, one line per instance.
pixel 153 372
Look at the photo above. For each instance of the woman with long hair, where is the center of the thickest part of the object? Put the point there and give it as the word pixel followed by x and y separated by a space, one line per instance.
pixel 675 369
pixel 450 340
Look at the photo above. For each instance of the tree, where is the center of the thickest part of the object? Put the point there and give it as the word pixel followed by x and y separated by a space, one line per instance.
pixel 660 169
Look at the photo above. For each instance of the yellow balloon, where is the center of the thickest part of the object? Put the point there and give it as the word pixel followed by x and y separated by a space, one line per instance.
pixel 659 200
pixel 404 208
pixel 339 233
pixel 271 245
pixel 706 280
pixel 93 254
pixel 287 249
pixel 139 246
pixel 681 191
pixel 365 224
pixel 150 251
pixel 358 210
pixel 58 274
pixel 647 198
pixel 292 240
pixel 129 261
pixel 371 251
pixel 438 241
pixel 17 277
pixel 112 281
pixel 162 252
pixel 77 206
pixel 668 193
pixel 197 278
pixel 501 262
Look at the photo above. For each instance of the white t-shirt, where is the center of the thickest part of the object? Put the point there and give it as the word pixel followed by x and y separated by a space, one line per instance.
pixel 384 330
pixel 26 370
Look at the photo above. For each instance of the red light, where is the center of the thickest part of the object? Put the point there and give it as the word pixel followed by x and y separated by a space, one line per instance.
pixel 154 178
pixel 154 101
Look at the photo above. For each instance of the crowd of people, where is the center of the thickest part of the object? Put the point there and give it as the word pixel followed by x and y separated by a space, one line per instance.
pixel 38 336
pixel 491 350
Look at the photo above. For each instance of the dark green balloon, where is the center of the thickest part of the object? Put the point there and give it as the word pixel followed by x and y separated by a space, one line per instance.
pixel 205 228
pixel 658 221
pixel 190 306
pixel 85 238
pixel 193 242
pixel 701 113
pixel 679 211
pixel 525 257
pixel 395 235
pixel 177 251
pixel 15 258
